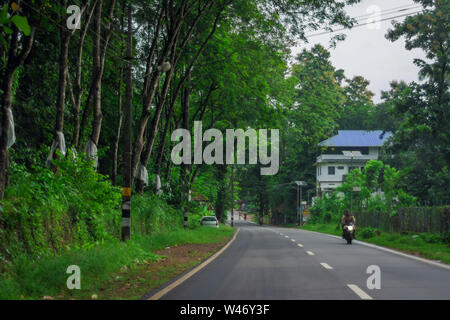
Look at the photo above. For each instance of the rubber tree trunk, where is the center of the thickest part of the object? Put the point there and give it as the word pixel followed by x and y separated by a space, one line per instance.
pixel 78 94
pixel 15 59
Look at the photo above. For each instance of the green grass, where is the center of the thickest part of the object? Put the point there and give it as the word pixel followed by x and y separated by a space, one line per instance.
pixel 424 245
pixel 33 279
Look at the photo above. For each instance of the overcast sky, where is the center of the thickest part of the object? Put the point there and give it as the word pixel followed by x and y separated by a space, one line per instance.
pixel 367 52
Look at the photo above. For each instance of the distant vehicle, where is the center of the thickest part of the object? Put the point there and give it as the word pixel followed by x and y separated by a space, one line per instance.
pixel 209 221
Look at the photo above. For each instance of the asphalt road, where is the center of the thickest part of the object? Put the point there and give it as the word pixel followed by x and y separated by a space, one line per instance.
pixel 288 264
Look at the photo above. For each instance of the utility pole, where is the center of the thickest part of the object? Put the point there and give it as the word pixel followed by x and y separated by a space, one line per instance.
pixel 232 195
pixel 301 206
pixel 126 193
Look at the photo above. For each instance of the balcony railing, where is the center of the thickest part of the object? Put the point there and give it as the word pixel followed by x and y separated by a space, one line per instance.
pixel 345 159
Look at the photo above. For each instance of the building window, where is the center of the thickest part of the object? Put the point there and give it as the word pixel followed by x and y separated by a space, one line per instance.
pixel 340 168
pixel 331 171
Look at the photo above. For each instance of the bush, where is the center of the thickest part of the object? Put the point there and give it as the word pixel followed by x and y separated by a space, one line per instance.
pixel 152 214
pixel 43 212
pixel 366 233
pixel 430 237
pixel 326 209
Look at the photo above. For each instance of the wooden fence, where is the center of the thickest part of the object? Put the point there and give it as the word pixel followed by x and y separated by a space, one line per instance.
pixel 418 219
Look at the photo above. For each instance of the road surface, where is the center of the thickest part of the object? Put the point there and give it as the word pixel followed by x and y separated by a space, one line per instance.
pixel 280 263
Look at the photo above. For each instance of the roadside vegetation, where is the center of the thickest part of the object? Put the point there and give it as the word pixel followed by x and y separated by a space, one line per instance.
pixel 50 221
pixel 389 218
pixel 426 245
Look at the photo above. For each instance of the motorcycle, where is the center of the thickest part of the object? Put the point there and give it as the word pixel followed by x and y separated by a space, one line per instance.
pixel 349 233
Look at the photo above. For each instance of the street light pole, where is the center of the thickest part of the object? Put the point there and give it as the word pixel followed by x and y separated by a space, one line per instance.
pixel 300 184
pixel 301 208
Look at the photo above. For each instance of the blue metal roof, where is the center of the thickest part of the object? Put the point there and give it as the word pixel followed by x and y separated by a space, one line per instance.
pixel 357 138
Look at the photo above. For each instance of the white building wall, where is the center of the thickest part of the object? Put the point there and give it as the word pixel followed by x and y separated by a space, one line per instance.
pixel 374 151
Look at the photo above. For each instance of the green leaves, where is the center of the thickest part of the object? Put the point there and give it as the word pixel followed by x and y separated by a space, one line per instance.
pixel 4 15
pixel 22 24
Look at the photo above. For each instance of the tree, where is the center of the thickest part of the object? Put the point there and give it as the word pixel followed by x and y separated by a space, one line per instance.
pixel 17 48
pixel 358 105
pixel 425 131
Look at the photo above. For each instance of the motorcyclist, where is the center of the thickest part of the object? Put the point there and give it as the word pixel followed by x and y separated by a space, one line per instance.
pixel 346 220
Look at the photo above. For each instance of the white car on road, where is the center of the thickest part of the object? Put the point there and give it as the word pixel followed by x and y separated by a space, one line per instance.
pixel 209 221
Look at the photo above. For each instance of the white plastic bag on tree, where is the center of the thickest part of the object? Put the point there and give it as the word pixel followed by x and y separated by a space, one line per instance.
pixel 91 153
pixel 142 174
pixel 58 143
pixel 11 132
pixel 74 153
pixel 157 182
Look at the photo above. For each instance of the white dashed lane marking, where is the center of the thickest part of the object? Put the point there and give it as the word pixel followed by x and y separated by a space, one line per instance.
pixel 326 266
pixel 359 292
pixel 300 245
pixel 310 253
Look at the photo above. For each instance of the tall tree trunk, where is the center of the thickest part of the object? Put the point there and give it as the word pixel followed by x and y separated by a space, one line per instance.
pixel 162 143
pixel 153 130
pixel 14 61
pixel 119 120
pixel 77 97
pixel 97 73
pixel 65 36
pixel 221 192
pixel 185 167
pixel 99 52
pixel 170 46
pixel 119 126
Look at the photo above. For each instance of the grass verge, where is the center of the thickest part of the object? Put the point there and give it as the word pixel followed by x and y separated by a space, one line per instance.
pixel 423 245
pixel 112 269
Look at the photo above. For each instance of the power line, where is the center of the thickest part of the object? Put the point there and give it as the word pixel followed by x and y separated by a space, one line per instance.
pixel 389 11
pixel 362 24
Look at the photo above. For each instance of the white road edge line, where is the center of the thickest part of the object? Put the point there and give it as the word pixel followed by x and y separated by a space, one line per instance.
pixel 431 262
pixel 359 292
pixel 310 253
pixel 179 281
pixel 300 245
pixel 326 266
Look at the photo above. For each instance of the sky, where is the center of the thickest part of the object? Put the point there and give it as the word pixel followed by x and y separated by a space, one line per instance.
pixel 366 51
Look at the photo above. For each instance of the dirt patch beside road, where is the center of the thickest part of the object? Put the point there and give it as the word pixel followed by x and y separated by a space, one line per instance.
pixel 134 282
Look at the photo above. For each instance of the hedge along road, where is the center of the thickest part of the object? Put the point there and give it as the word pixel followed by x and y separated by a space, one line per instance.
pixel 278 263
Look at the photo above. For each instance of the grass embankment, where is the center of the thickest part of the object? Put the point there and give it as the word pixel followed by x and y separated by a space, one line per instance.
pixel 425 245
pixel 112 269
pixel 50 221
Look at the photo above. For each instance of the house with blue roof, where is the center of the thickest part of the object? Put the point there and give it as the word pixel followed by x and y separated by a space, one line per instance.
pixel 333 165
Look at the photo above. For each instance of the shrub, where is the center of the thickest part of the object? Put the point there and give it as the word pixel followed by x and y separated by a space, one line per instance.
pixel 367 233
pixel 43 211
